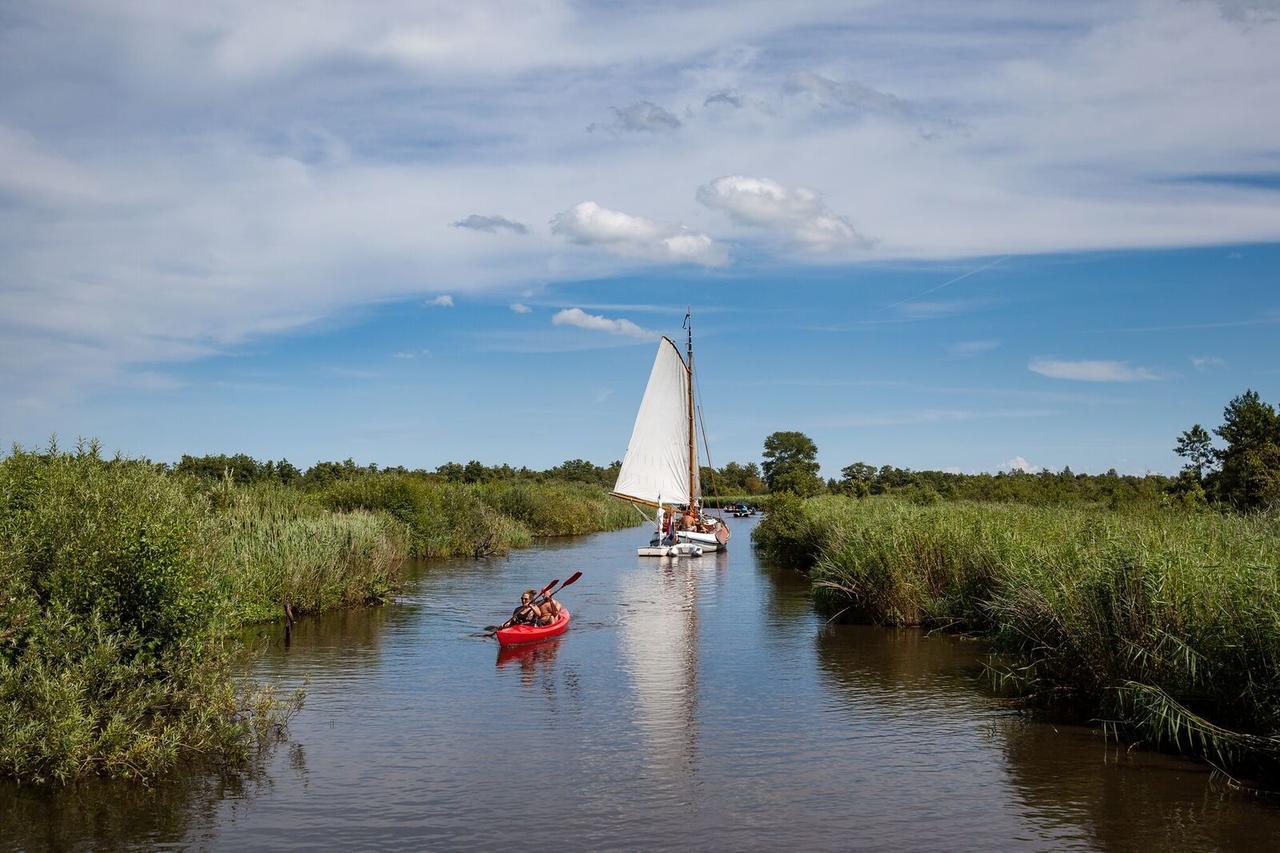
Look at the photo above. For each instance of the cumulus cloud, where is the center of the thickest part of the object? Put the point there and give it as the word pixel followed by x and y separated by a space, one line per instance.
pixel 799 212
pixel 1017 463
pixel 412 354
pixel 491 224
pixel 640 117
pixel 1091 371
pixel 589 224
pixel 597 323
pixel 444 300
pixel 520 308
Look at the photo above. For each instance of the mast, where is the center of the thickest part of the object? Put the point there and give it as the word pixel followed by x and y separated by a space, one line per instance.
pixel 693 446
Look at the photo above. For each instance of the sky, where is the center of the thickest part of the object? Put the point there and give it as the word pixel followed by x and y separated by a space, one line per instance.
pixel 968 237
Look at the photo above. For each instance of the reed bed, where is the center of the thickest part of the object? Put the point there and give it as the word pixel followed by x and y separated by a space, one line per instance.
pixel 1163 625
pixel 121 585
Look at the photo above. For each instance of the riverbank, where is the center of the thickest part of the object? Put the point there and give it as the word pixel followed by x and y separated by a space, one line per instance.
pixel 123 583
pixel 1163 625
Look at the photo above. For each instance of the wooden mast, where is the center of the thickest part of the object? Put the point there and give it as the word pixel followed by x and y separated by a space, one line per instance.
pixel 693 446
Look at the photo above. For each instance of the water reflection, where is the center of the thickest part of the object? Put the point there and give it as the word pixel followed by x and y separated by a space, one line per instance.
pixel 659 647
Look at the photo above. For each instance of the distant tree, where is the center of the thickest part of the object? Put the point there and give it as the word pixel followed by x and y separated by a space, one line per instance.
pixel 287 472
pixel 450 471
pixel 1196 446
pixel 791 463
pixel 1249 476
pixel 474 472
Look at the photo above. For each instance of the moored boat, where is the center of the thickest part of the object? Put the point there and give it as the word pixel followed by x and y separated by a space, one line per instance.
pixel 660 468
pixel 517 634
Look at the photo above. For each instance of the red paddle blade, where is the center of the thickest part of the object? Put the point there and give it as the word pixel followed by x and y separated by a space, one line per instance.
pixel 572 578
pixel 548 587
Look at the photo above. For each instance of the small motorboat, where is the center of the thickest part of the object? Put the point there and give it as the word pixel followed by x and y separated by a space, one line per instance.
pixel 518 634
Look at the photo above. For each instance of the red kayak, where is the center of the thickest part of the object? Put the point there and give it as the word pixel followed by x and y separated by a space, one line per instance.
pixel 517 634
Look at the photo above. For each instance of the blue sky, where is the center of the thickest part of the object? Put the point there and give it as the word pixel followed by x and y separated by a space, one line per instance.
pixel 960 236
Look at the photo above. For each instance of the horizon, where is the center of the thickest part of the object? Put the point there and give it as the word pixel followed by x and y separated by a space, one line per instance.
pixel 954 239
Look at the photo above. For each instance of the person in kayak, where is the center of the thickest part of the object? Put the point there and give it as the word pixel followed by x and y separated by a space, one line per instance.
pixel 527 613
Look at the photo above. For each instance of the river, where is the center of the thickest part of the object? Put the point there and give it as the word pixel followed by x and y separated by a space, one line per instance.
pixel 695 704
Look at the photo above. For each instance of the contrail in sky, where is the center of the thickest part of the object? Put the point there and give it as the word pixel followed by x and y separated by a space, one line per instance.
pixel 948 283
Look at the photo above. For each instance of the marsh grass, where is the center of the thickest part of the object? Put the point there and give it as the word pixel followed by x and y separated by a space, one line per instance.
pixel 121 585
pixel 1164 624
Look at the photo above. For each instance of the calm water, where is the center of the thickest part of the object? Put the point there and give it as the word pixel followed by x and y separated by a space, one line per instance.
pixel 695 704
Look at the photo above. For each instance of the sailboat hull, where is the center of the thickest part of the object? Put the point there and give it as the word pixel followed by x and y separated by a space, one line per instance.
pixel 706 541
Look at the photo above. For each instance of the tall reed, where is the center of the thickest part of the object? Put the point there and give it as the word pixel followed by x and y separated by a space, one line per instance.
pixel 1164 624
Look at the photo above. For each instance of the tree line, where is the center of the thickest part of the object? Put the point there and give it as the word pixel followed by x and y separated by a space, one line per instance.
pixel 1237 467
pixel 730 479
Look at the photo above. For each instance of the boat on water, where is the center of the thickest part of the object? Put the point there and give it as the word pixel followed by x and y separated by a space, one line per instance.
pixel 660 468
pixel 515 635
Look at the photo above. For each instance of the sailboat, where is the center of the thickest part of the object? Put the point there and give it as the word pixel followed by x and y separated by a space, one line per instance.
pixel 660 468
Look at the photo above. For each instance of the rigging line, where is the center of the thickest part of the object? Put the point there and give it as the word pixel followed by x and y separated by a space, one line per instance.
pixel 949 282
pixel 702 424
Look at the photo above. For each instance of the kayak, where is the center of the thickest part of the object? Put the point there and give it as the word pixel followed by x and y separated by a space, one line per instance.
pixel 517 634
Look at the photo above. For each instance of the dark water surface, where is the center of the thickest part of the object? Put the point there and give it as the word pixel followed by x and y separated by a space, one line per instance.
pixel 697 704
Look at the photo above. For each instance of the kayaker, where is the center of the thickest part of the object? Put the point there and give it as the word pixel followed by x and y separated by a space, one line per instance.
pixel 527 613
pixel 549 612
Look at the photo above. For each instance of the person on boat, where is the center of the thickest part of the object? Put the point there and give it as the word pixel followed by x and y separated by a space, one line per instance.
pixel 549 611
pixel 528 612
pixel 690 519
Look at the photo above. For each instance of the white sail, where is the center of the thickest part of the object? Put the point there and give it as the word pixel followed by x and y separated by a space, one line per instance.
pixel 656 466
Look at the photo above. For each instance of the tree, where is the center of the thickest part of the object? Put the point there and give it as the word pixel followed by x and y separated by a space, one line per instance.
pixel 791 464
pixel 1196 447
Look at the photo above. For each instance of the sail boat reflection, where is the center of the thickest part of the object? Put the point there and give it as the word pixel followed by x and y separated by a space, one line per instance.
pixel 659 645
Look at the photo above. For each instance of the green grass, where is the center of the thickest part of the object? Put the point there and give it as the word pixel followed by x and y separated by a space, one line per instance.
pixel 1163 624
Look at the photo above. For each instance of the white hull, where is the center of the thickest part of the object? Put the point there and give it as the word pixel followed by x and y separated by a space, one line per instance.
pixel 705 541
pixel 683 549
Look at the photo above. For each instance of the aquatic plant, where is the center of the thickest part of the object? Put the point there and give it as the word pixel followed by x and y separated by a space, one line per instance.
pixel 1164 624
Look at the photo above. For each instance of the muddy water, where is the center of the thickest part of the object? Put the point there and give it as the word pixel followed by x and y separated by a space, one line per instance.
pixel 692 704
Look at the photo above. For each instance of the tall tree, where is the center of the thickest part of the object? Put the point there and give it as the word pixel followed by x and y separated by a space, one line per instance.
pixel 1196 446
pixel 1250 474
pixel 791 463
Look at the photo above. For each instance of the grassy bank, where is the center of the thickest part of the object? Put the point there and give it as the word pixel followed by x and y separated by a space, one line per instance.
pixel 1163 624
pixel 121 584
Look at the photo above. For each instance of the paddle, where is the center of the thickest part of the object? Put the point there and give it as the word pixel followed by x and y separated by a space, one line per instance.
pixel 573 578
pixel 489 629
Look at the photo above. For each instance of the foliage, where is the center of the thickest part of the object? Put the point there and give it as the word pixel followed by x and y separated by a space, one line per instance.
pixel 1044 488
pixel 1165 622
pixel 1245 474
pixel 111 652
pixel 791 463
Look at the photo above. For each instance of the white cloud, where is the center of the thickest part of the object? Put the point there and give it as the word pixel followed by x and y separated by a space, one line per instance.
pixel 589 224
pixel 520 308
pixel 444 300
pixel 597 323
pixel 211 223
pixel 1205 363
pixel 1017 463
pixel 412 354
pixel 799 212
pixel 964 349
pixel 1092 371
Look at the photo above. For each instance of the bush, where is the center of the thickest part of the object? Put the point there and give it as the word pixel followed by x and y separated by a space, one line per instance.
pixel 110 656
